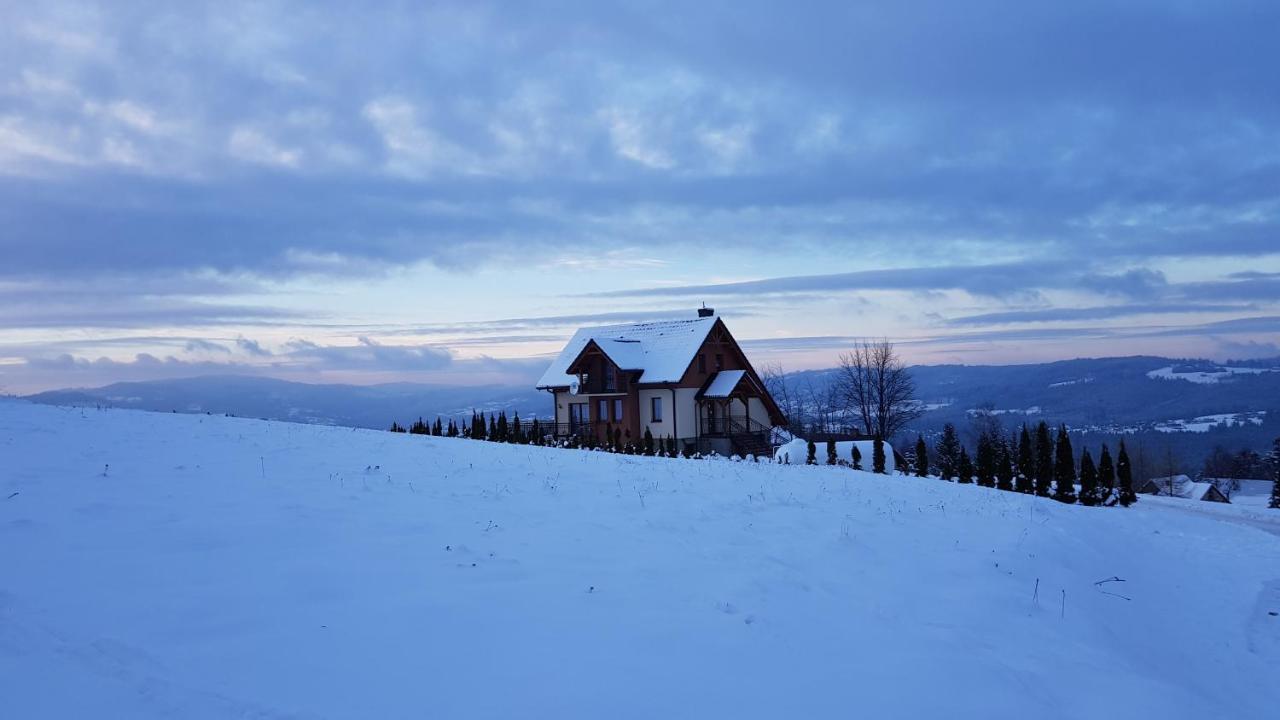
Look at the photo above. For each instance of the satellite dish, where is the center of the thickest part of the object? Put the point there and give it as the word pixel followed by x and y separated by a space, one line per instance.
pixel 574 387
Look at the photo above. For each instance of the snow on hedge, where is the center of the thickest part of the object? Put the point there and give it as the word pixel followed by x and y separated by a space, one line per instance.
pixel 156 565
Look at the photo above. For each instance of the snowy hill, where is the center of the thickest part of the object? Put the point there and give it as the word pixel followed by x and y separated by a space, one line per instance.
pixel 163 565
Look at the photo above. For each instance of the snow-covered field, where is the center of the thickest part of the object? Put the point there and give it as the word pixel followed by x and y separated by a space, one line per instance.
pixel 182 566
pixel 1206 377
pixel 1205 423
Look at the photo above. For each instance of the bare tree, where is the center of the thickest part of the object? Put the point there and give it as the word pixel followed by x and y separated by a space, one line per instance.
pixel 823 404
pixel 786 397
pixel 876 387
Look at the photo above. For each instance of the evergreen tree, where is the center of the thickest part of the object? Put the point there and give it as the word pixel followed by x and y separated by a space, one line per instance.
pixel 1064 468
pixel 964 467
pixel 535 431
pixel 477 427
pixel 1044 460
pixel 1004 465
pixel 648 441
pixel 493 428
pixel 437 429
pixel 1089 490
pixel 986 461
pixel 877 455
pixel 419 428
pixel 948 451
pixel 922 457
pixel 1025 480
pixel 517 432
pixel 453 429
pixel 1274 503
pixel 608 435
pixel 617 439
pixel 855 456
pixel 1106 478
pixel 1124 478
pixel 831 452
pixel 396 427
pixel 812 459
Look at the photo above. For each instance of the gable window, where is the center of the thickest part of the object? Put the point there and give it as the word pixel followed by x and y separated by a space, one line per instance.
pixel 702 364
pixel 617 411
pixel 719 362
pixel 610 378
pixel 655 409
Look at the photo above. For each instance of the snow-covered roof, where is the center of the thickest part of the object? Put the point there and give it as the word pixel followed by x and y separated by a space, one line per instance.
pixel 1180 486
pixel 723 383
pixel 663 350
pixel 626 354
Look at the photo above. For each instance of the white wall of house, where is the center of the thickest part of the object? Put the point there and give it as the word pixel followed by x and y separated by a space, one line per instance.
pixel 687 412
pixel 664 427
pixel 562 406
pixel 759 413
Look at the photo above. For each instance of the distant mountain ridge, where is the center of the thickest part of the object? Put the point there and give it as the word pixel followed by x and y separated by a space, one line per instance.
pixel 1198 401
pixel 367 406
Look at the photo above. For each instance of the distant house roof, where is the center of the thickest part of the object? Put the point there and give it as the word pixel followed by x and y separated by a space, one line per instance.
pixel 1183 487
pixel 723 383
pixel 663 350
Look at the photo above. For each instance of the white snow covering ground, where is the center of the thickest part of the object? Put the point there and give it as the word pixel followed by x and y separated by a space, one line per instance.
pixel 185 566
pixel 1205 423
pixel 796 452
pixel 1218 374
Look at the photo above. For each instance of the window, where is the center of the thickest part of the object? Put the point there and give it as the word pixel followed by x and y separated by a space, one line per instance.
pixel 577 414
pixel 610 378
pixel 719 361
pixel 603 413
pixel 617 410
pixel 655 409
pixel 702 364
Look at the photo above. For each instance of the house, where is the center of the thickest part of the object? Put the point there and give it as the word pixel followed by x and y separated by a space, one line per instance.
pixel 1183 487
pixel 687 380
pixel 1243 491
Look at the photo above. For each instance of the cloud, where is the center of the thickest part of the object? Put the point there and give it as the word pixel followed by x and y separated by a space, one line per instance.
pixel 1259 324
pixel 555 321
pixel 44 367
pixel 199 345
pixel 162 173
pixel 368 355
pixel 1253 286
pixel 1102 312
pixel 251 347
pixel 140 313
pixel 254 146
pixel 1032 129
pixel 994 280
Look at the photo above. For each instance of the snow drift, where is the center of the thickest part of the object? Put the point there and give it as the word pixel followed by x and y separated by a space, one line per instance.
pixel 156 565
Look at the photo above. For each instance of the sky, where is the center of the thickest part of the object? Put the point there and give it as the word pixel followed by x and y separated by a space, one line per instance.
pixel 442 192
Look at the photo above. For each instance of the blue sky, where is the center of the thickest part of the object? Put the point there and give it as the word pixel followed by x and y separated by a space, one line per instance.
pixel 442 192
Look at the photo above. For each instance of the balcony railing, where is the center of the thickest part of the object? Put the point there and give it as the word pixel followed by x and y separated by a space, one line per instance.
pixel 732 425
pixel 573 429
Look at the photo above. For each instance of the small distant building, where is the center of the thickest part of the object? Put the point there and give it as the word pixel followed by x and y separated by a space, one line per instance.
pixel 1184 487
pixel 687 380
